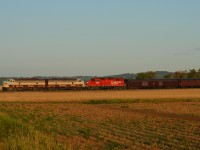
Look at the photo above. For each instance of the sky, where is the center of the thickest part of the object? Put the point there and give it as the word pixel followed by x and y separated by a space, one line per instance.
pixel 98 37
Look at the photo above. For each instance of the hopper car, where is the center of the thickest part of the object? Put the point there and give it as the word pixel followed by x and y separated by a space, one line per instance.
pixel 162 83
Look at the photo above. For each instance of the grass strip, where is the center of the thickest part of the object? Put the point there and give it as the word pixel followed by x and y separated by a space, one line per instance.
pixel 14 135
pixel 122 101
pixel 107 101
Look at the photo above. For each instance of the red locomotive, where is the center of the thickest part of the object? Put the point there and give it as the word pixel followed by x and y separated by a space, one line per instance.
pixel 106 82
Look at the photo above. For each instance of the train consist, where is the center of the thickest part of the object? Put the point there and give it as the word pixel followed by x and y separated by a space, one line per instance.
pixel 97 83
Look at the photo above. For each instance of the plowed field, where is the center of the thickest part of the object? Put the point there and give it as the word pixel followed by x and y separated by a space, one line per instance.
pixel 156 119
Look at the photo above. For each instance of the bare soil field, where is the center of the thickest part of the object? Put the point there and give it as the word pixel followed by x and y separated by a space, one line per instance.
pixel 135 119
pixel 165 125
pixel 67 96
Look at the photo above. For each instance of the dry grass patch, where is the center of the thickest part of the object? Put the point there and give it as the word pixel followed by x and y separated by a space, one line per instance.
pixel 68 96
pixel 163 125
pixel 131 119
pixel 15 135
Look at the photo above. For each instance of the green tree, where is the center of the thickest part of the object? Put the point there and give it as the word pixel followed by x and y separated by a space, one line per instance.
pixel 141 75
pixel 180 74
pixel 146 75
pixel 192 74
pixel 150 74
pixel 168 76
pixel 198 73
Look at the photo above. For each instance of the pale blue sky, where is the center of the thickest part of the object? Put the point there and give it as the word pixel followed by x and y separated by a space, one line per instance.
pixel 98 37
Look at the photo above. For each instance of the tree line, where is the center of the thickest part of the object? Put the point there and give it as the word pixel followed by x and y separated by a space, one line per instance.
pixel 190 74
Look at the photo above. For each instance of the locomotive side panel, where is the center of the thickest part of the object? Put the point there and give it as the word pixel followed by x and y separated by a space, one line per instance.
pixel 23 84
pixel 59 83
pixel 37 84
pixel 105 82
pixel 64 83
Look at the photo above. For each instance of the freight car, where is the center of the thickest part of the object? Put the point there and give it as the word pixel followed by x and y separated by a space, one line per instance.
pixel 42 84
pixel 189 83
pixel 153 83
pixel 162 83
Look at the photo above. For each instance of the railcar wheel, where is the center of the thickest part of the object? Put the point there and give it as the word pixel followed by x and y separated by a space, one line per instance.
pixel 4 89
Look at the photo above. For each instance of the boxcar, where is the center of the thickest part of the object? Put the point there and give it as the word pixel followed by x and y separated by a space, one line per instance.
pixel 169 83
pixel 134 84
pixel 184 83
pixel 152 83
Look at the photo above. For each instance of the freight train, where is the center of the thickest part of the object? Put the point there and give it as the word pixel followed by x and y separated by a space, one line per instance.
pixel 97 83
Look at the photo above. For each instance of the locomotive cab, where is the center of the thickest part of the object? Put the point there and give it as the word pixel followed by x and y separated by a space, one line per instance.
pixel 11 81
pixel 6 84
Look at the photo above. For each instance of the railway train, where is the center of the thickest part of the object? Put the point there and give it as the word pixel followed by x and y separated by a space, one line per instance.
pixel 97 83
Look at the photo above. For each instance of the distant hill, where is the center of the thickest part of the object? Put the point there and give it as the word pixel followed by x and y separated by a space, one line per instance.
pixel 3 79
pixel 125 75
pixel 161 74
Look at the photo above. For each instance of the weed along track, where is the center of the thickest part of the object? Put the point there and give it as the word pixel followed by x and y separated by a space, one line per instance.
pixel 107 124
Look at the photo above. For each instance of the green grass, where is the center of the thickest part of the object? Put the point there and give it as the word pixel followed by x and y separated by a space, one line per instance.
pixel 86 133
pixel 128 101
pixel 110 101
pixel 16 136
pixel 114 145
pixel 53 125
